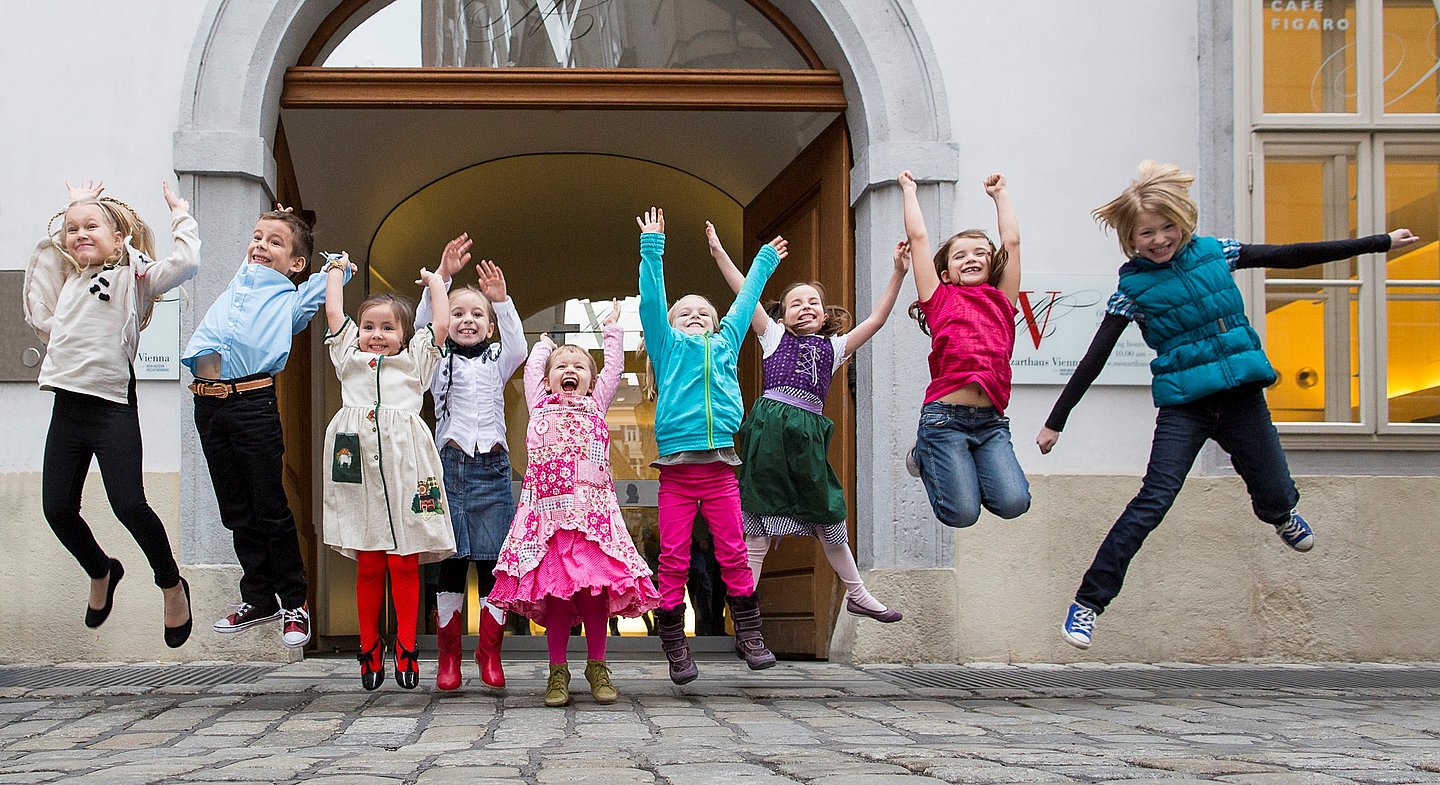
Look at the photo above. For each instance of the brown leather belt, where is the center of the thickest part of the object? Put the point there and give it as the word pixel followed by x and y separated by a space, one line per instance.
pixel 225 389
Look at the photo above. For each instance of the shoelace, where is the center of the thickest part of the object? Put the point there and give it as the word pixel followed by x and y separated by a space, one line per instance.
pixel 599 677
pixel 557 682
pixel 1292 531
pixel 241 608
pixel 297 616
pixel 1083 620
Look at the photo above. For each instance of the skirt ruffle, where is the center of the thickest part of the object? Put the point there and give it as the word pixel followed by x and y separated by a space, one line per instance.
pixel 573 563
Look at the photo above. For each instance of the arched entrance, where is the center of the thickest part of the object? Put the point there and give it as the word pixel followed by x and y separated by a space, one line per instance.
pixel 235 174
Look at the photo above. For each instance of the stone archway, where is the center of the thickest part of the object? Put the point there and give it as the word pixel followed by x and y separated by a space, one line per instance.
pixel 898 118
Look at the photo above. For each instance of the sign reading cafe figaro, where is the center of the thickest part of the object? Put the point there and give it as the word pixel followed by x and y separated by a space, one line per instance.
pixel 1057 320
pixel 1303 15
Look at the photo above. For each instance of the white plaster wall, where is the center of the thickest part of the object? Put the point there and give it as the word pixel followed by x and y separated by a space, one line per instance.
pixel 92 92
pixel 1065 99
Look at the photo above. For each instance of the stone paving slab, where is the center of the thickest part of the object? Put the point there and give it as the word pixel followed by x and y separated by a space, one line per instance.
pixel 806 723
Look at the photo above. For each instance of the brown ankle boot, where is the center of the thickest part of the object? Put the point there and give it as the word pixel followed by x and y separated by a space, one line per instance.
pixel 745 612
pixel 670 622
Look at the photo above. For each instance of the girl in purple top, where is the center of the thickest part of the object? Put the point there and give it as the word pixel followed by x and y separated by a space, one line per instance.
pixel 967 306
pixel 787 485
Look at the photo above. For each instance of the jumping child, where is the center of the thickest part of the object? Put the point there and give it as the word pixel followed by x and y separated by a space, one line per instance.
pixel 385 506
pixel 1210 373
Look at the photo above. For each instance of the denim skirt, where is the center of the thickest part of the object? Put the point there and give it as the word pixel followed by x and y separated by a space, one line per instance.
pixel 482 504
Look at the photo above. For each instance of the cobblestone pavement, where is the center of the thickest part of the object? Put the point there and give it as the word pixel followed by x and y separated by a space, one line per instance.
pixel 797 723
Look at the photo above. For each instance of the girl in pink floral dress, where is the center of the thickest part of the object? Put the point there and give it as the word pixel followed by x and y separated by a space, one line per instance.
pixel 568 557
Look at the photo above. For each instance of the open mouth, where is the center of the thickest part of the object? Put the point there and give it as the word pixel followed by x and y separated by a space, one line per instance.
pixel 569 384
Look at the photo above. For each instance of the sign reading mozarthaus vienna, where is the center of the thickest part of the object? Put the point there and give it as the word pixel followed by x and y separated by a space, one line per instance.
pixel 1057 319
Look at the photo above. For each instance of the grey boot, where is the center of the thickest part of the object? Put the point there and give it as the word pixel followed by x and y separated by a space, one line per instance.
pixel 670 622
pixel 745 612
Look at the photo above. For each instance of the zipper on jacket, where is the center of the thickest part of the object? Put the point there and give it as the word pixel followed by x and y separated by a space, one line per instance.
pixel 709 420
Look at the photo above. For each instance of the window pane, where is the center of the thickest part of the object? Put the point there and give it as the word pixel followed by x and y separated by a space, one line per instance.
pixel 1312 339
pixel 1309 56
pixel 1310 198
pixel 1412 201
pixel 1412 57
pixel 567 34
pixel 1412 386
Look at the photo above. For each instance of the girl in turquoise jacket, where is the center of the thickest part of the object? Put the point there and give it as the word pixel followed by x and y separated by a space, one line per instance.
pixel 697 413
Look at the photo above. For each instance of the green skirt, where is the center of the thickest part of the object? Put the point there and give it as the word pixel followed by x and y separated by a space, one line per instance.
pixel 785 469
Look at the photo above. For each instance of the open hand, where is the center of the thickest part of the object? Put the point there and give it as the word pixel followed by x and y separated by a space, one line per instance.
pixel 614 315
pixel 781 246
pixel 173 200
pixel 492 280
pixel 902 256
pixel 1046 440
pixel 652 221
pixel 995 184
pixel 1401 238
pixel 87 189
pixel 455 256
pixel 713 239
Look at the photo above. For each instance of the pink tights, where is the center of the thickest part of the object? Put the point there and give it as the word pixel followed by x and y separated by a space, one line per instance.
pixel 593 609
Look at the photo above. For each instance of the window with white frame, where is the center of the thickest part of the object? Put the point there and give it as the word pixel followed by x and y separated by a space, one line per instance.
pixel 1343 123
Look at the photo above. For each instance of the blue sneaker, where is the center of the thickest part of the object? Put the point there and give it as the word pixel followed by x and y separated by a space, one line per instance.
pixel 1079 626
pixel 1296 533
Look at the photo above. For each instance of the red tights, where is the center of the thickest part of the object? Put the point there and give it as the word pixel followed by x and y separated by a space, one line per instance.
pixel 370 595
pixel 593 609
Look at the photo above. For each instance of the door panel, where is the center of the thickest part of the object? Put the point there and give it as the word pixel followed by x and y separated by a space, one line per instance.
pixel 809 205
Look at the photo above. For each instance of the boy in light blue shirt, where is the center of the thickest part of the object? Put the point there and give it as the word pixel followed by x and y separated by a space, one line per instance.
pixel 243 341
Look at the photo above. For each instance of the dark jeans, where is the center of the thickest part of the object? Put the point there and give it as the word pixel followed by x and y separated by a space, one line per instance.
pixel 966 461
pixel 240 435
pixel 1239 421
pixel 84 427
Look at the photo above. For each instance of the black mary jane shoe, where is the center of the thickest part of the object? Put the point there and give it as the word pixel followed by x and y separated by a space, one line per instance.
pixel 175 637
pixel 407 667
pixel 94 618
pixel 371 676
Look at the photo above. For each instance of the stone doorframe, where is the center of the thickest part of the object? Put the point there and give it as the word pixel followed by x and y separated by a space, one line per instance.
pixel 898 118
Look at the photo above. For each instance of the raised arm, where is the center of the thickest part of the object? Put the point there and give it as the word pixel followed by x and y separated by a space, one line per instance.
pixel 184 260
pixel 926 279
pixel 452 260
pixel 336 268
pixel 309 296
pixel 864 331
pixel 535 370
pixel 1009 235
pixel 609 379
pixel 746 301
pixel 1084 375
pixel 761 321
pixel 653 300
pixel 440 321
pixel 1296 255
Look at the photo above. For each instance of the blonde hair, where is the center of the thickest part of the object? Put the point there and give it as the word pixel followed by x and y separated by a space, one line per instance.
pixel 573 349
pixel 714 314
pixel 835 318
pixel 999 257
pixel 121 217
pixel 399 307
pixel 475 290
pixel 1157 188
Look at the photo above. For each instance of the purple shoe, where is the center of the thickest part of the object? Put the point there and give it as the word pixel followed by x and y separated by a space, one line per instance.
pixel 885 617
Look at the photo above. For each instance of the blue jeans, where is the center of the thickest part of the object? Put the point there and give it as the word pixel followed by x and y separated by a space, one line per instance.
pixel 966 461
pixel 482 505
pixel 1239 421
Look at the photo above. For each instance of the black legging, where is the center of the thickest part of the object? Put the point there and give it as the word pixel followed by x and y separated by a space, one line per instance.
pixel 82 427
pixel 454 572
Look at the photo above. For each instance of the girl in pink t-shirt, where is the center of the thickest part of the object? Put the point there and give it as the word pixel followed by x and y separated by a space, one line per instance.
pixel 967 306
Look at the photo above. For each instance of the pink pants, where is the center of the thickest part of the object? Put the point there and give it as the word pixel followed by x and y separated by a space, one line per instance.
pixel 710 488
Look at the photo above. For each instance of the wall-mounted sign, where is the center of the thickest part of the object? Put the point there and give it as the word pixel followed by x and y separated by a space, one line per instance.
pixel 159 355
pixel 1057 319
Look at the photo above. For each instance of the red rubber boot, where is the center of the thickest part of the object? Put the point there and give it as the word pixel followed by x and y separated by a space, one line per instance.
pixel 487 653
pixel 447 638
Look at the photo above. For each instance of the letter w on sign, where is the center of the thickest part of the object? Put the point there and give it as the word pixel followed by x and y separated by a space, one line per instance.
pixel 1037 315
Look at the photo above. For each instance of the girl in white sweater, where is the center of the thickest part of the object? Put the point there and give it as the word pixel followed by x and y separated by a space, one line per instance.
pixel 89 291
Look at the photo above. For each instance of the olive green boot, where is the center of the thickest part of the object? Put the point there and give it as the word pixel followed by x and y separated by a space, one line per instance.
pixel 598 674
pixel 557 689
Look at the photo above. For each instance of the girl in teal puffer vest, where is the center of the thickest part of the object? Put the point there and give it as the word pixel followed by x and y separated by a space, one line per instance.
pixel 1210 370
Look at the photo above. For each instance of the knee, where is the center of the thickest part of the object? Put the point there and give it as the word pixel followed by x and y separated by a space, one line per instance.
pixel 957 517
pixel 1010 508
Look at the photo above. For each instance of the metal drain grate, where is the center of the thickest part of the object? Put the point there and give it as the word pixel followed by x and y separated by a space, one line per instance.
pixel 134 676
pixel 1164 679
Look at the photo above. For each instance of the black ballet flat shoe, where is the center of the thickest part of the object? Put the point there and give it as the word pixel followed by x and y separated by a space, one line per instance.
pixel 175 637
pixel 407 667
pixel 372 676
pixel 94 618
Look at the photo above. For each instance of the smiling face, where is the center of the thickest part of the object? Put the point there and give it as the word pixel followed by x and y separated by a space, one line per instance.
pixel 381 330
pixel 1156 237
pixel 570 369
pixel 470 318
pixel 272 245
pixel 803 310
pixel 693 315
pixel 89 235
pixel 968 261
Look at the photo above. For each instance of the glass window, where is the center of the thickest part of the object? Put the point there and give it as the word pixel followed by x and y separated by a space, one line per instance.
pixel 1309 56
pixel 1412 57
pixel 568 34
pixel 1310 195
pixel 1412 296
pixel 1319 379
